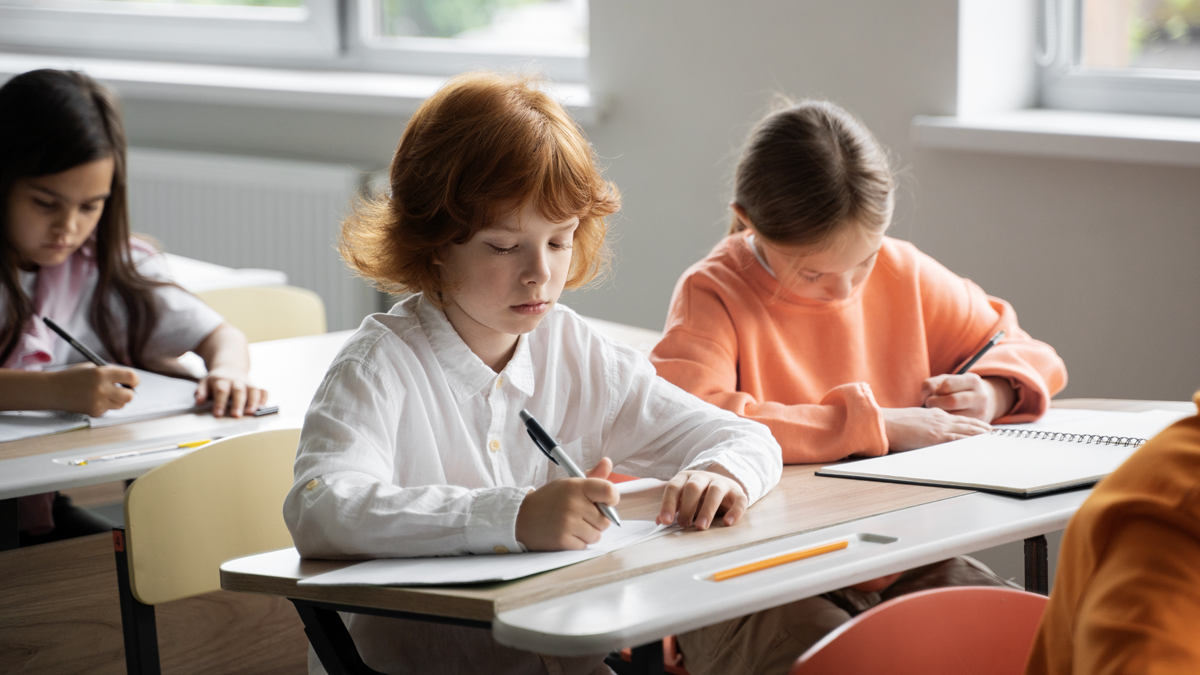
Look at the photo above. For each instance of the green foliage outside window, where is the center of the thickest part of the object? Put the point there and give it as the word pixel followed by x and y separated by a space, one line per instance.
pixel 1158 22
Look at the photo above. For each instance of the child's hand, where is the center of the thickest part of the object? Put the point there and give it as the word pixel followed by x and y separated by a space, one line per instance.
pixel 93 391
pixel 969 395
pixel 562 515
pixel 911 428
pixel 230 387
pixel 699 496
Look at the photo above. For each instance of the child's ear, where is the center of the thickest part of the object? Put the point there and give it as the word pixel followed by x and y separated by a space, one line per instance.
pixel 740 214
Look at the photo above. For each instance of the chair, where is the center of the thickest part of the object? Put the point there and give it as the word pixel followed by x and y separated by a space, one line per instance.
pixel 975 630
pixel 186 517
pixel 269 312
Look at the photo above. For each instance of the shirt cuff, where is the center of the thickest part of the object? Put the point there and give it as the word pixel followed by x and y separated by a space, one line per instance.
pixel 492 523
pixel 741 470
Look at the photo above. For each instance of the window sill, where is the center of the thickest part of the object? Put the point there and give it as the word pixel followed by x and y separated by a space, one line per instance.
pixel 337 91
pixel 1173 141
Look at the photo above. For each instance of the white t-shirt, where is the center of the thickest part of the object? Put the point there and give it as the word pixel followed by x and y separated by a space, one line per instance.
pixel 183 319
pixel 413 447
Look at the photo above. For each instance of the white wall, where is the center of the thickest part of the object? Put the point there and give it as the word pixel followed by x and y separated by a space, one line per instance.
pixel 1099 258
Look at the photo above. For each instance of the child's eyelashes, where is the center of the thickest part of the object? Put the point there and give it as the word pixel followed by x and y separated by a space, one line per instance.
pixel 500 250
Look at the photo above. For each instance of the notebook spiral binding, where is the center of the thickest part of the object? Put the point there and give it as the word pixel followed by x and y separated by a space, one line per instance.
pixel 1123 441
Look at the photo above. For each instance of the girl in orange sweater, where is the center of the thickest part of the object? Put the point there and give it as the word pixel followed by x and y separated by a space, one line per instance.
pixel 842 341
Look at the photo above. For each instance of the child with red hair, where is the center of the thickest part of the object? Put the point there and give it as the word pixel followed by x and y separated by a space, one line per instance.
pixel 413 445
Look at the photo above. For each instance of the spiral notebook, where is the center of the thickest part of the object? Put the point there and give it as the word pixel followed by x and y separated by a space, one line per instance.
pixel 1065 450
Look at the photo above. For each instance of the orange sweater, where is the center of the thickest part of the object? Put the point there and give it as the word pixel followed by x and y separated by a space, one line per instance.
pixel 1127 594
pixel 818 373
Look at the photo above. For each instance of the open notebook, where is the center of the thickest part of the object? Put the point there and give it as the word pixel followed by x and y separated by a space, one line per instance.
pixel 1065 450
pixel 156 396
pixel 475 569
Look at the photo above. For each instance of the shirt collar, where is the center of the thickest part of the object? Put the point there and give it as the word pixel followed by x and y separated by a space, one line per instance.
pixel 466 373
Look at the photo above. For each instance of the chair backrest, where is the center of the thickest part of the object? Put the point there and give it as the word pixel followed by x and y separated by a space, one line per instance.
pixel 948 631
pixel 221 501
pixel 269 312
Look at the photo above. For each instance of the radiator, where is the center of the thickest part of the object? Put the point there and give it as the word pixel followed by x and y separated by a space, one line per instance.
pixel 253 212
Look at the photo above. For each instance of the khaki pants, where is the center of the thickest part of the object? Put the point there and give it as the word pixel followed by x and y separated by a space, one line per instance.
pixel 770 641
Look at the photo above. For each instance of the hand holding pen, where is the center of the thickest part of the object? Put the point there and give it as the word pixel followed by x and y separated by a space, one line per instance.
pixel 968 394
pixel 567 514
pixel 91 391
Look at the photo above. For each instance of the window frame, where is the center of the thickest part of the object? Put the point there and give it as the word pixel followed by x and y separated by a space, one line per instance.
pixel 212 33
pixel 1146 91
pixel 325 35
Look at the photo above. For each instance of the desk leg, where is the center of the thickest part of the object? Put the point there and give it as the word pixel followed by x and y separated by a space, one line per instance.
pixel 10 536
pixel 1037 565
pixel 332 642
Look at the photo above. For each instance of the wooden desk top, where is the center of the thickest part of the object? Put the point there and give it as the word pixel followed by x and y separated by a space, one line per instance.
pixel 802 502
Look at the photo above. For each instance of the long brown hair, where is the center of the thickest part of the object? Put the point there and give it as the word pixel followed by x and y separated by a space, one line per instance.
pixel 52 121
pixel 484 144
pixel 809 170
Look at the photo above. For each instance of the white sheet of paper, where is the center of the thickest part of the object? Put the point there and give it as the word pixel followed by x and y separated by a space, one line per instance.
pixel 156 396
pixel 1020 465
pixel 18 424
pixel 471 569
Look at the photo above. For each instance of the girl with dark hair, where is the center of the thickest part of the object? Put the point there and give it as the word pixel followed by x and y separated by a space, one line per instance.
pixel 66 253
pixel 845 342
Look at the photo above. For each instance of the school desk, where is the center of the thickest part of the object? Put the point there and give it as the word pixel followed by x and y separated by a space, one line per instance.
pixel 59 611
pixel 638 595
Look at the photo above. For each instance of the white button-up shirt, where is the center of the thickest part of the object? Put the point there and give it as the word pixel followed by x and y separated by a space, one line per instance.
pixel 414 447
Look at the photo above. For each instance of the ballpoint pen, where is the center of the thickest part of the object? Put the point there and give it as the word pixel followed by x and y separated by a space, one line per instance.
pixel 79 346
pixel 979 354
pixel 550 447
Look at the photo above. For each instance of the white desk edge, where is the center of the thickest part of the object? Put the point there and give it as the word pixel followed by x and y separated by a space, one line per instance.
pixel 646 608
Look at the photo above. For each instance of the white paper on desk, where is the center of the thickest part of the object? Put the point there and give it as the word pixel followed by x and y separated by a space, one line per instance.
pixel 18 424
pixel 1022 466
pixel 473 569
pixel 156 396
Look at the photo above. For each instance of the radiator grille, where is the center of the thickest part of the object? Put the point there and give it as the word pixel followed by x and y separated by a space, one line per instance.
pixel 250 212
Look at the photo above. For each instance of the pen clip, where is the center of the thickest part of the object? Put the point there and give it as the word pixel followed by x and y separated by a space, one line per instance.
pixel 536 442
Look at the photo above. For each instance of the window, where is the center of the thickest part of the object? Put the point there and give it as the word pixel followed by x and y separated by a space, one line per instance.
pixel 1125 56
pixel 220 31
pixel 421 37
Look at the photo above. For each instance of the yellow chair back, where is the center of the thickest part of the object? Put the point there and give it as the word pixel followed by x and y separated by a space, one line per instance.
pixel 269 312
pixel 221 501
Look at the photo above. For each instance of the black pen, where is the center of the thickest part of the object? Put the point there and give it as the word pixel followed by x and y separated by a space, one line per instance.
pixel 979 354
pixel 79 346
pixel 550 447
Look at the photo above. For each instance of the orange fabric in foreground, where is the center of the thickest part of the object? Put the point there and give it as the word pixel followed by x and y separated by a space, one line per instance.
pixel 818 373
pixel 1126 596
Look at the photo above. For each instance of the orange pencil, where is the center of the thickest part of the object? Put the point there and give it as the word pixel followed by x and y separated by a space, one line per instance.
pixel 779 560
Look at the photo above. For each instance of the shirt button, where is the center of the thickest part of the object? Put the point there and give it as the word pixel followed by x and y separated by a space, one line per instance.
pixel 312 484
pixel 500 550
pixel 494 446
pixel 499 382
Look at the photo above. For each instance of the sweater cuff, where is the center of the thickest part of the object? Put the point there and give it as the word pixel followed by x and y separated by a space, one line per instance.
pixel 865 433
pixel 492 523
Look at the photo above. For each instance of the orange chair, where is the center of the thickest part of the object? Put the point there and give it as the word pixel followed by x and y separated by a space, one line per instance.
pixel 967 630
